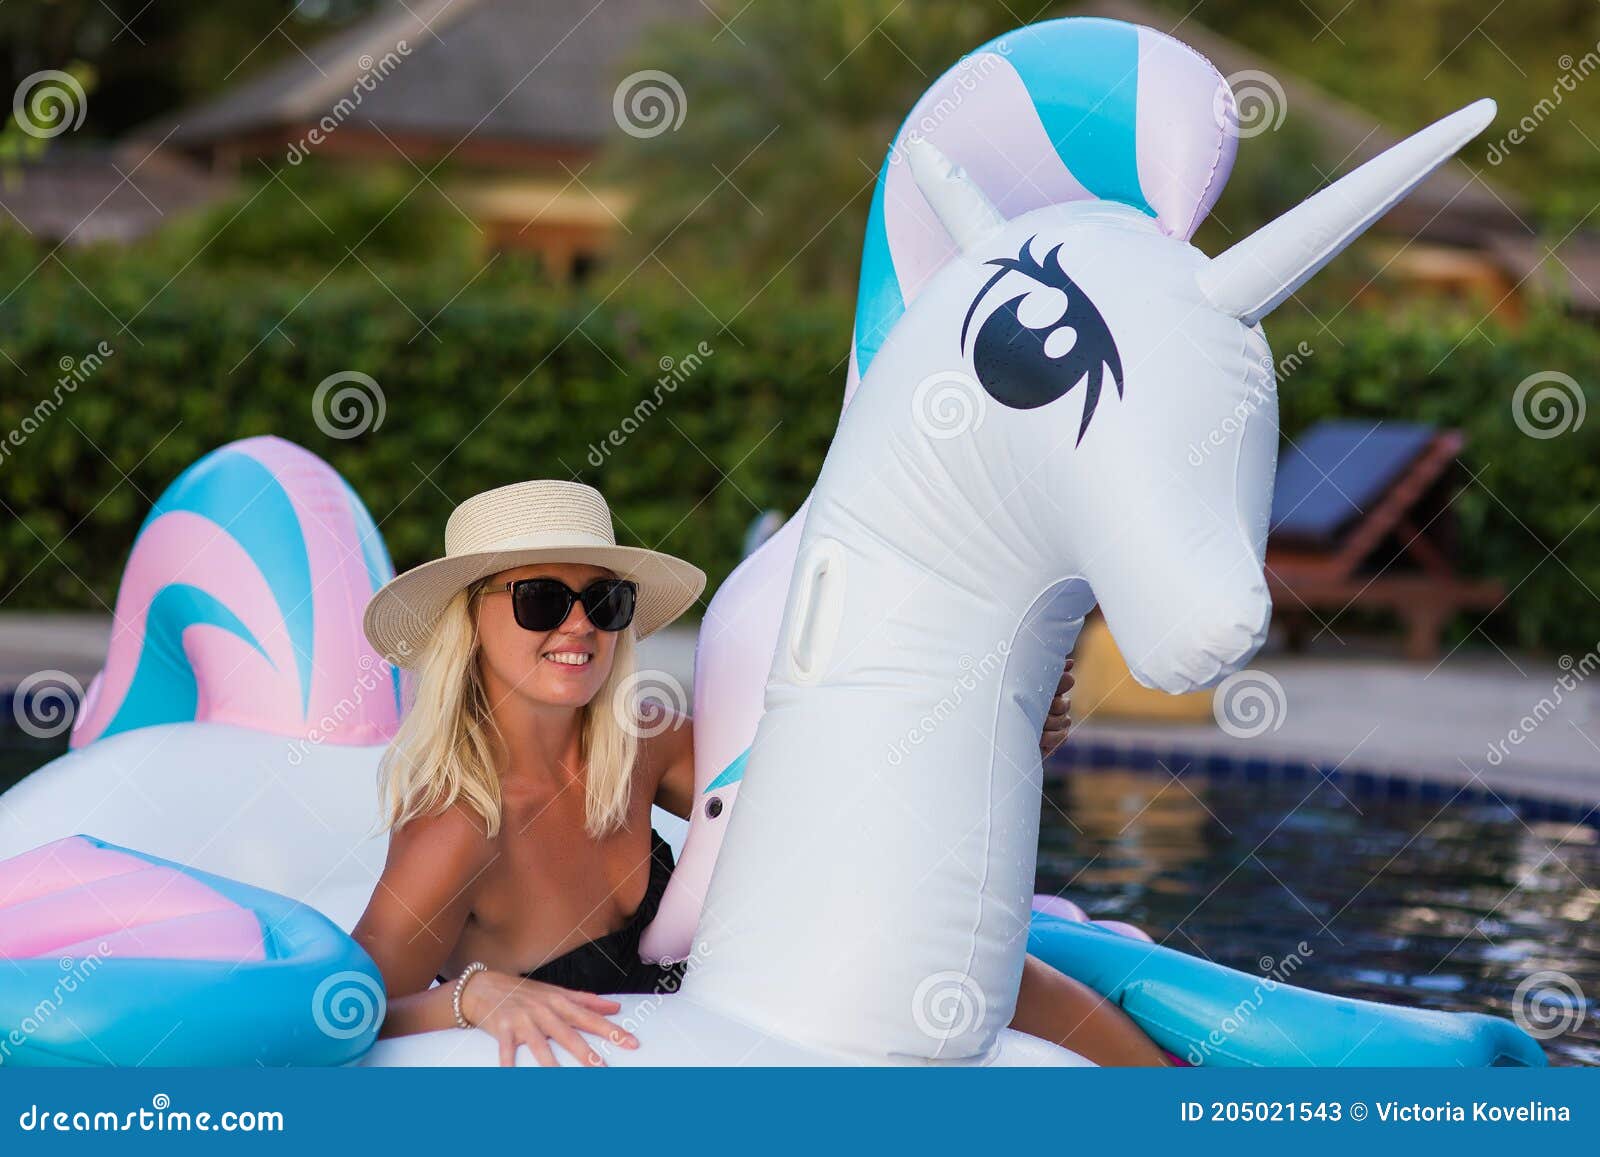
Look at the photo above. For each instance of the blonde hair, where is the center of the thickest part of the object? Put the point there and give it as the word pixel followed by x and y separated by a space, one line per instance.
pixel 444 749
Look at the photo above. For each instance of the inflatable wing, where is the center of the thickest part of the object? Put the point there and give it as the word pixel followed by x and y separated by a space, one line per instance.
pixel 174 967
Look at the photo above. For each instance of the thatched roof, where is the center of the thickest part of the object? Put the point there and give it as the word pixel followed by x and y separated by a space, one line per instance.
pixel 513 70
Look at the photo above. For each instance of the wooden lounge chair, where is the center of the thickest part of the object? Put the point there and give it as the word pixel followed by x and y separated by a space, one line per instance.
pixel 1362 519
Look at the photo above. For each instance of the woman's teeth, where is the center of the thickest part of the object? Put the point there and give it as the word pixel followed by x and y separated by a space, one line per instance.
pixel 568 658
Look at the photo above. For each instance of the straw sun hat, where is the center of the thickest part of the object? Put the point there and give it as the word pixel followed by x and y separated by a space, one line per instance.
pixel 512 526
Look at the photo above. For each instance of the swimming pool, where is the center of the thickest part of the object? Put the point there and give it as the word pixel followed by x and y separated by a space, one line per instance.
pixel 1426 903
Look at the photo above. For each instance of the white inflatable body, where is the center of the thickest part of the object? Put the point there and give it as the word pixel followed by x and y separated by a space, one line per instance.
pixel 1018 449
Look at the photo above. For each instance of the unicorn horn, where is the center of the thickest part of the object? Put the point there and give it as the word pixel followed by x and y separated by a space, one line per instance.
pixel 958 203
pixel 1252 278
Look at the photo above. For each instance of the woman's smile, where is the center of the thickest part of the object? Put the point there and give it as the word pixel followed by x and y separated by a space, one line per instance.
pixel 569 657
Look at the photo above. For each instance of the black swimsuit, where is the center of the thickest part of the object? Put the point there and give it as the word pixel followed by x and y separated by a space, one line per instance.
pixel 611 963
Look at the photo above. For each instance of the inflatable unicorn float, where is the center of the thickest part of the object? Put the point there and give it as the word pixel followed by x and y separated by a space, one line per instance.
pixel 1037 343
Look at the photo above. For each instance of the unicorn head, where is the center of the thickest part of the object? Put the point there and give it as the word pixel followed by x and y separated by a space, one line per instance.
pixel 1097 366
pixel 1020 448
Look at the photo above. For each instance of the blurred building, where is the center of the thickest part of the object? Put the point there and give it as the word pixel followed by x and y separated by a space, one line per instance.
pixel 514 97
pixel 517 97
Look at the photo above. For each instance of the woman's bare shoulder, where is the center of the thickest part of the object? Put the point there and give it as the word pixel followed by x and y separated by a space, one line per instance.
pixel 453 842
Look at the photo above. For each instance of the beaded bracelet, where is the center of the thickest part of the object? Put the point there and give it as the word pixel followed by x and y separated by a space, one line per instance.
pixel 474 968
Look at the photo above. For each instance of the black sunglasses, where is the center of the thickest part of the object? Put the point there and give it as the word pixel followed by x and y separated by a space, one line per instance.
pixel 543 604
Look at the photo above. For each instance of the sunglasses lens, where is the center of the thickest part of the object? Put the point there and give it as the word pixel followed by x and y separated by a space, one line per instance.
pixel 609 603
pixel 540 604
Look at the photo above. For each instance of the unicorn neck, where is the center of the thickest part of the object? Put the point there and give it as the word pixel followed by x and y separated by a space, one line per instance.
pixel 873 889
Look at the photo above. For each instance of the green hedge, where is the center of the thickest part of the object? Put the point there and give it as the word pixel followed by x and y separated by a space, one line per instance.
pixel 518 380
pixel 513 380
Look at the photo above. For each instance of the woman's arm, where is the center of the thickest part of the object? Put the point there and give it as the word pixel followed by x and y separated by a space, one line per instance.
pixel 412 925
pixel 1059 721
pixel 671 755
pixel 417 913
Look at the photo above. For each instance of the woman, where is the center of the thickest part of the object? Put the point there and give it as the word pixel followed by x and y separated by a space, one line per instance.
pixel 522 867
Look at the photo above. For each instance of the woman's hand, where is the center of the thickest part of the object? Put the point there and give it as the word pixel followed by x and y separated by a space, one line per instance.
pixel 1059 721
pixel 517 1011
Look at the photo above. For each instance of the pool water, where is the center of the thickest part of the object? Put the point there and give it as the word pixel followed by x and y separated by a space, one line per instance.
pixel 1418 903
pixel 21 754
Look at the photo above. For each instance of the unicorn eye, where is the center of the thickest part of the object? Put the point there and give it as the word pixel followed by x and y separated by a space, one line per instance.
pixel 1043 342
pixel 713 807
pixel 1042 307
pixel 1059 342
